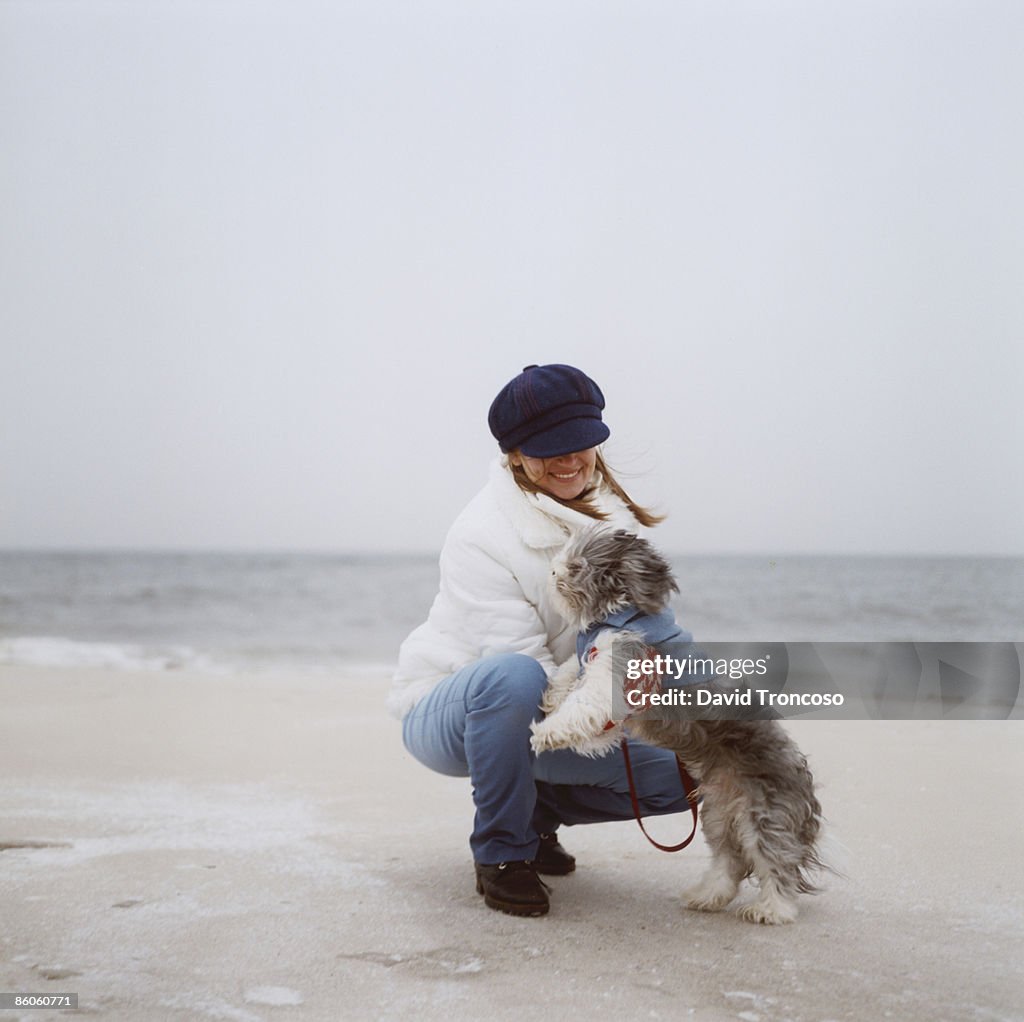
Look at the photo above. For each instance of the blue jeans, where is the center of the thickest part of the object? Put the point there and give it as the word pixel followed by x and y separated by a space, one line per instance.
pixel 476 724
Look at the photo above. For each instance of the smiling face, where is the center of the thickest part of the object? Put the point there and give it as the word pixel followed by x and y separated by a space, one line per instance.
pixel 565 477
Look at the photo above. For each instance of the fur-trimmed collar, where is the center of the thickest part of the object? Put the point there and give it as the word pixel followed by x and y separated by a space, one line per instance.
pixel 540 521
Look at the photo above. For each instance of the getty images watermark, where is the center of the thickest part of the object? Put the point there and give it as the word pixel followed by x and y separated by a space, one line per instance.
pixel 826 680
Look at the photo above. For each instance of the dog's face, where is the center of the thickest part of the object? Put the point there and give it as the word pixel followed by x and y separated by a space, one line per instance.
pixel 601 570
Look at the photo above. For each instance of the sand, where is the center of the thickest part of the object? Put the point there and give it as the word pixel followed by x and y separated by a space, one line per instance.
pixel 177 846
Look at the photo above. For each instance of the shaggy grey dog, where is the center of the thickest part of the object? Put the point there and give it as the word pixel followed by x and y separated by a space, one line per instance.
pixel 760 815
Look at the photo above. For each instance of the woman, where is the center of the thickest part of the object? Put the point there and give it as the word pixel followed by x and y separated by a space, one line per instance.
pixel 470 679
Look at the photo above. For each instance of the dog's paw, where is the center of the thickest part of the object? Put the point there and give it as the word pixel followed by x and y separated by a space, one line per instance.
pixel 711 894
pixel 769 910
pixel 541 743
pixel 700 903
pixel 545 737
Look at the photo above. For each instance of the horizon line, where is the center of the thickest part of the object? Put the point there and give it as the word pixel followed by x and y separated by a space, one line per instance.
pixel 298 551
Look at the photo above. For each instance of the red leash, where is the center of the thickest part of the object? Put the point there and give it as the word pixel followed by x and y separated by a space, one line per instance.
pixel 689 786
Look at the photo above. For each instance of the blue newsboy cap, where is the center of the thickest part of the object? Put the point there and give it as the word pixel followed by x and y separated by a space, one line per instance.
pixel 547 411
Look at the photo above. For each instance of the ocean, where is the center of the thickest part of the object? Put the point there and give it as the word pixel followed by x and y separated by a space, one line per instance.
pixel 233 612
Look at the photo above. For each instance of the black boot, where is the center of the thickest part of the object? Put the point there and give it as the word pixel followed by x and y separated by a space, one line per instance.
pixel 552 859
pixel 513 887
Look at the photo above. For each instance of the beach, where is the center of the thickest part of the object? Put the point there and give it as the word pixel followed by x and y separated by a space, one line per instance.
pixel 177 845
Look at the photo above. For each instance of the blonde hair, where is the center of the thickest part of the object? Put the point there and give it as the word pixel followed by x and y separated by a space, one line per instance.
pixel 584 503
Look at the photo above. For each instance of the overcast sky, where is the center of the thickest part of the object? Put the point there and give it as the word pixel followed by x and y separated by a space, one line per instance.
pixel 264 266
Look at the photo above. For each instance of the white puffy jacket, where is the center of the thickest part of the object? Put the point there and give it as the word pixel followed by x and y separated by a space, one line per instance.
pixel 494 594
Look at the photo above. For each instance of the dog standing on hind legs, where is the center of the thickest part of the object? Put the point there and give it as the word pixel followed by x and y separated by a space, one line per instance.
pixel 760 815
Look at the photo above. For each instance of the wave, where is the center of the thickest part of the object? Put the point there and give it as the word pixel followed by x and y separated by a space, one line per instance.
pixel 59 651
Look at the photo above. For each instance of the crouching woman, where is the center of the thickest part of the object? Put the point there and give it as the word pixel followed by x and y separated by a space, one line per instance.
pixel 470 679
